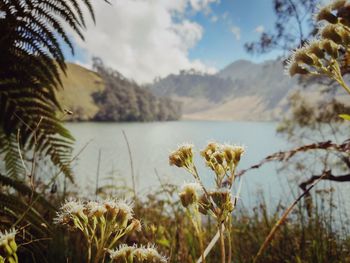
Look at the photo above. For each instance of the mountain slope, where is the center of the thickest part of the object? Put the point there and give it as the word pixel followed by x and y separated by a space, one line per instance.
pixel 78 86
pixel 106 95
pixel 241 91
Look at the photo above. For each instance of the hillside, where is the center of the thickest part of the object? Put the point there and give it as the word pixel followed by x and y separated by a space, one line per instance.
pixel 106 95
pixel 78 86
pixel 241 91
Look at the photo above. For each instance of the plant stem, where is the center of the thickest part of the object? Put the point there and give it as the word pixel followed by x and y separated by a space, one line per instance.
pixel 339 77
pixel 228 231
pixel 89 252
pixel 200 237
pixel 196 222
pixel 222 244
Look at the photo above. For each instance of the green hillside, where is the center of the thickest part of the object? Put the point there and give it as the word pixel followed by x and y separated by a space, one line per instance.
pixel 79 84
pixel 106 95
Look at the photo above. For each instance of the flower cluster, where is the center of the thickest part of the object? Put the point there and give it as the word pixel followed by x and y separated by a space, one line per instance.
pixel 134 254
pixel 189 193
pixel 182 157
pixel 102 223
pixel 318 57
pixel 222 159
pixel 224 204
pixel 8 246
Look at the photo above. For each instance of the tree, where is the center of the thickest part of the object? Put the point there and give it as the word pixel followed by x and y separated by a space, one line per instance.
pixel 306 123
pixel 293 26
pixel 124 100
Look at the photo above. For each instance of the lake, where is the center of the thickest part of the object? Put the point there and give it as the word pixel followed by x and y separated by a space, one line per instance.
pixel 151 143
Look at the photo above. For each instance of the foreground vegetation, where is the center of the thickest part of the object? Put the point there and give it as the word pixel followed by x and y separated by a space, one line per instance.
pixel 319 238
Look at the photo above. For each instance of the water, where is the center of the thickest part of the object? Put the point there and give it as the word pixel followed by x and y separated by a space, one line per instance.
pixel 151 143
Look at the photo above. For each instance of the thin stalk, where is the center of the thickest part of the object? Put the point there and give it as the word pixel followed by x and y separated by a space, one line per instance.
pixel 195 220
pixel 339 77
pixel 131 165
pixel 222 244
pixel 228 231
pixel 201 247
pixel 89 252
pixel 283 218
pixel 98 172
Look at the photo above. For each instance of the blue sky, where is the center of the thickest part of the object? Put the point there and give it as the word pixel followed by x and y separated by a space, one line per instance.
pixel 144 39
pixel 219 45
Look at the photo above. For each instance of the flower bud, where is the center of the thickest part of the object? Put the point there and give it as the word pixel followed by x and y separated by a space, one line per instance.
pixel 330 47
pixel 189 193
pixel 219 157
pixel 315 49
pixel 326 14
pixel 330 32
pixel 204 205
pixel 337 4
pixel 135 225
pixel 238 150
pixel 209 150
pixel 301 55
pixel 176 159
pixel 220 198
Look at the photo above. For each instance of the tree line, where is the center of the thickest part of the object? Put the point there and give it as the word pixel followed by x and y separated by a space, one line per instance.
pixel 124 100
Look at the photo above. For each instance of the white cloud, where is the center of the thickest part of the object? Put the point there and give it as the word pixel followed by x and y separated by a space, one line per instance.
pixel 236 31
pixel 259 29
pixel 144 39
pixel 201 5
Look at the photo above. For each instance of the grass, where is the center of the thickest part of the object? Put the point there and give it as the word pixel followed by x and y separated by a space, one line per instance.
pixel 319 238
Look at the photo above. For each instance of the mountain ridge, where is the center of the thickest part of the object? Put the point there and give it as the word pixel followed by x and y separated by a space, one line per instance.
pixel 243 90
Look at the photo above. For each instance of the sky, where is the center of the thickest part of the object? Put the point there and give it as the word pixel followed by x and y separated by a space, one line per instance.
pixel 145 39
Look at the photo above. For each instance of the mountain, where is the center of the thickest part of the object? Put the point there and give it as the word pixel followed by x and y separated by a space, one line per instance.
pixel 241 91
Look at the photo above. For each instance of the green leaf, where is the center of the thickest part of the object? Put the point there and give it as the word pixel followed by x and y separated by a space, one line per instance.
pixel 345 116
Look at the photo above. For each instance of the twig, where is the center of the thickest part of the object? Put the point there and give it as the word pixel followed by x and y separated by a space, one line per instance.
pixel 72 160
pixel 283 219
pixel 30 206
pixel 131 164
pixel 20 153
pixel 98 172
pixel 285 156
pixel 35 240
pixel 210 245
pixel 32 173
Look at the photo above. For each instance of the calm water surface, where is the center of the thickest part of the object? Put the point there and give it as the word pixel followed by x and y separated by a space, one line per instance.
pixel 151 143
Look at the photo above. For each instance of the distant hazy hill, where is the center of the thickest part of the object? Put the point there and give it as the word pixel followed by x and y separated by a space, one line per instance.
pixel 241 91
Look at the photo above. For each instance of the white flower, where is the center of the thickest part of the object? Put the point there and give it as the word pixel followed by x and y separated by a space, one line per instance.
pixel 7 236
pixel 95 208
pixel 126 207
pixel 121 252
pixel 74 207
pixel 142 254
pixel 191 188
